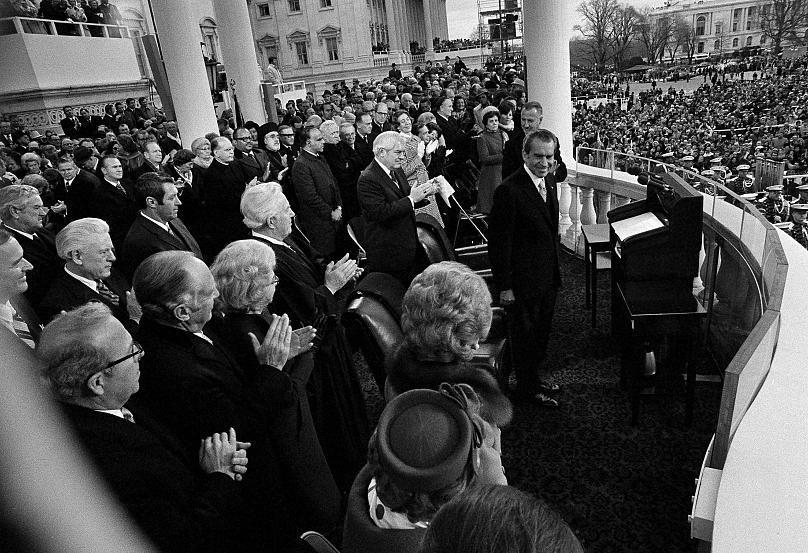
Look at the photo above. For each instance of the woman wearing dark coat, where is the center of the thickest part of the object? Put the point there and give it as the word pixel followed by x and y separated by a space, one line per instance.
pixel 490 145
pixel 312 293
pixel 245 278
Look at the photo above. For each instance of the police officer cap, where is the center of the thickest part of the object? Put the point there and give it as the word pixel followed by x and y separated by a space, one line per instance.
pixel 687 158
pixel 743 167
pixel 708 173
pixel 716 161
pixel 799 207
pixel 775 188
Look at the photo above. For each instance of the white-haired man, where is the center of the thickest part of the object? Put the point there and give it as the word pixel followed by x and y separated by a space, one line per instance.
pixel 388 209
pixel 86 248
pixel 92 365
pixel 16 315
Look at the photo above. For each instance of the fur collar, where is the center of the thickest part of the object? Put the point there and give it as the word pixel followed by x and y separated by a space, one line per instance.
pixel 405 372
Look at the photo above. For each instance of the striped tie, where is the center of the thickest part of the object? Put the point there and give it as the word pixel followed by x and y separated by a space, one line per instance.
pixel 107 294
pixel 22 330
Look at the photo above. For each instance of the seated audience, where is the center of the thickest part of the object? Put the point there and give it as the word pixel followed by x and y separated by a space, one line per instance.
pixel 485 519
pixel 192 383
pixel 182 503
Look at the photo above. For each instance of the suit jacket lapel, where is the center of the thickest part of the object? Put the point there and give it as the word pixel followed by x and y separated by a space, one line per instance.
pixel 184 236
pixel 533 196
pixel 388 181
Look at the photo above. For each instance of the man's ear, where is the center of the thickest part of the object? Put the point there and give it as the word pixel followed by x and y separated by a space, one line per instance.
pixel 75 257
pixel 96 383
pixel 181 312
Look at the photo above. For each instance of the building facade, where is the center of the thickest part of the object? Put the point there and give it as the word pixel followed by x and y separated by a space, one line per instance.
pixel 721 26
pixel 320 42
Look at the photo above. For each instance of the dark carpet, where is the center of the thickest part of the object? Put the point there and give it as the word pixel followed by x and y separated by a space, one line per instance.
pixel 622 489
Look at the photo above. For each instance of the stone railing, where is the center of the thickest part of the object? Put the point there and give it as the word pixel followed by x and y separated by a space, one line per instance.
pixel 381 59
pixel 32 25
pixel 750 492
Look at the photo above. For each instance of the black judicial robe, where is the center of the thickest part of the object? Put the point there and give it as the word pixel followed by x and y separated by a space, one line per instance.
pixel 335 395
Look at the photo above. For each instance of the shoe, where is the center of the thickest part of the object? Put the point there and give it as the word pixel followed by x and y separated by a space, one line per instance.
pixel 549 387
pixel 541 399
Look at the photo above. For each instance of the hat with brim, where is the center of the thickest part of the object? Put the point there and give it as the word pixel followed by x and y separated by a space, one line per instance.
pixel 774 188
pixel 799 207
pixel 424 440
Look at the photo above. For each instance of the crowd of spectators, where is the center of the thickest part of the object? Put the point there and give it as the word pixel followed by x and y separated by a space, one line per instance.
pixel 97 12
pixel 227 258
pixel 723 127
pixel 195 286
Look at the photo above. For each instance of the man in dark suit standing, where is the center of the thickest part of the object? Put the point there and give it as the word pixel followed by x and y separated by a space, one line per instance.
pixel 112 200
pixel 93 366
pixel 531 118
pixel 319 201
pixel 523 248
pixel 74 187
pixel 364 142
pixel 221 196
pixel 395 72
pixel 381 120
pixel 388 210
pixel 157 227
pixel 253 160
pixel 22 213
pixel 152 160
pixel 70 123
pixel 88 275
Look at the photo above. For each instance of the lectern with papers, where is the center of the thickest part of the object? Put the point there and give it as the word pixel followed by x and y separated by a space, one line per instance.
pixel 655 246
pixel 658 239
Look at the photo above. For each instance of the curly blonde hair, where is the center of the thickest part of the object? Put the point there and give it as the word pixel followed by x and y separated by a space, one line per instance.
pixel 447 309
pixel 243 272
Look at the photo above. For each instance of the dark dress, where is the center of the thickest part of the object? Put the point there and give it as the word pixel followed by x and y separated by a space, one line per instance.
pixel 335 396
pixel 311 491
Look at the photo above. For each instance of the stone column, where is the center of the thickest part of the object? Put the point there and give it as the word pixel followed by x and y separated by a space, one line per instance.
pixel 238 50
pixel 396 50
pixel 429 30
pixel 190 90
pixel 547 25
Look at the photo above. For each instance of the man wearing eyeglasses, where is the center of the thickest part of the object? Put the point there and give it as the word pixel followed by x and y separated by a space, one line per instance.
pixel 22 213
pixel 381 123
pixel 93 366
pixel 253 161
pixel 388 209
pixel 157 228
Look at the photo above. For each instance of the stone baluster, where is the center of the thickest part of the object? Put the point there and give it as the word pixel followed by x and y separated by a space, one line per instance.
pixel 587 206
pixel 564 203
pixel 619 201
pixel 570 236
pixel 604 205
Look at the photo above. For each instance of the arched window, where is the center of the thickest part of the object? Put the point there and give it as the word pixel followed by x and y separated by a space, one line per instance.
pixel 701 23
pixel 734 42
pixel 210 38
pixel 717 45
pixel 749 41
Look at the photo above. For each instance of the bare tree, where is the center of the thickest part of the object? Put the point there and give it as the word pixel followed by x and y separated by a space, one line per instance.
pixel 623 33
pixel 686 38
pixel 784 21
pixel 598 16
pixel 655 35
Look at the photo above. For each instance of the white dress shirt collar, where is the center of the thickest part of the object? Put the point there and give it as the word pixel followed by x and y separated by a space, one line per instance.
pixel 160 224
pixel 91 284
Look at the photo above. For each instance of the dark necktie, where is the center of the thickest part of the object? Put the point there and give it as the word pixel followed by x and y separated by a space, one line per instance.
pixel 107 294
pixel 120 188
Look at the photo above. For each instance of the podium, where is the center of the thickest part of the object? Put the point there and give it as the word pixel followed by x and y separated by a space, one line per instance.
pixel 655 245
